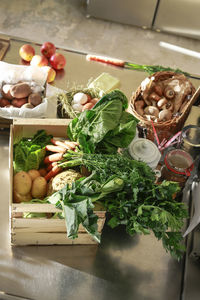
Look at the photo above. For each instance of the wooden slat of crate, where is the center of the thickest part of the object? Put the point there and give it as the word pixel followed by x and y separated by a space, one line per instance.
pixel 45 225
pixel 54 238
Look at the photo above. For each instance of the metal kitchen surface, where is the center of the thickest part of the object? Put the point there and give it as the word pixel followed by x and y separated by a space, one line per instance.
pixel 121 267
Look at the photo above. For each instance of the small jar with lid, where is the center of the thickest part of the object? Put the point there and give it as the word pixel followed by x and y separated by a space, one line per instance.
pixel 146 151
pixel 177 167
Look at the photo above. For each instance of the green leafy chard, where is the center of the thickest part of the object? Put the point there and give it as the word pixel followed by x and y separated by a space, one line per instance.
pixel 30 152
pixel 105 127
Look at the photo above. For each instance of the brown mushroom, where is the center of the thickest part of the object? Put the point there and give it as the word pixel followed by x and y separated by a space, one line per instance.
pixel 165 115
pixel 165 104
pixel 151 110
pixel 154 97
pixel 158 90
pixel 169 93
pixel 139 105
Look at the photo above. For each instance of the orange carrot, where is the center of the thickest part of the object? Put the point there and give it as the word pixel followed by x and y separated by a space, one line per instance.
pixel 53 148
pixel 52 173
pixel 53 157
pixel 49 167
pixel 71 145
pixel 59 143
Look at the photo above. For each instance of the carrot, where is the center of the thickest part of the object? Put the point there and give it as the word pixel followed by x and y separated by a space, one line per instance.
pixel 49 167
pixel 59 143
pixel 53 157
pixel 71 145
pixel 107 60
pixel 53 148
pixel 52 173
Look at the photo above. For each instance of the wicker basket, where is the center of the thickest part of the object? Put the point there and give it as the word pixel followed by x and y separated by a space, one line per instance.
pixel 164 129
pixel 64 105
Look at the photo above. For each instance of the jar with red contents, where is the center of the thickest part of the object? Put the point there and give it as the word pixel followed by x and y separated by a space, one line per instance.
pixel 177 167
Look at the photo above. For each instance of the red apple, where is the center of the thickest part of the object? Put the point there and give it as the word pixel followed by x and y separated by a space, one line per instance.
pixel 48 49
pixel 39 60
pixel 26 52
pixel 57 61
pixel 51 75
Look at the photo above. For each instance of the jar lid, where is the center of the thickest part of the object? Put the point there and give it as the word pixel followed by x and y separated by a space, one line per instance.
pixel 179 162
pixel 191 135
pixel 145 150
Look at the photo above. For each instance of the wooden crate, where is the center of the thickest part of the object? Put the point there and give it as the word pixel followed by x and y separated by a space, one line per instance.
pixel 41 231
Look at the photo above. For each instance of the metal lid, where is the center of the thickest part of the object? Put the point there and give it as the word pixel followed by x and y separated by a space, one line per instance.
pixel 145 150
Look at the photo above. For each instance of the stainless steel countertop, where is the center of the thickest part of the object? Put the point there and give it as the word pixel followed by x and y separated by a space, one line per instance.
pixel 121 267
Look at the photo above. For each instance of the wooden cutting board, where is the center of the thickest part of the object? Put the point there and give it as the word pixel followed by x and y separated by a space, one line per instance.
pixel 4 45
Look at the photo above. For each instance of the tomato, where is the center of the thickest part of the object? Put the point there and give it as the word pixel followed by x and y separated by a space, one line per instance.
pixel 57 61
pixel 48 49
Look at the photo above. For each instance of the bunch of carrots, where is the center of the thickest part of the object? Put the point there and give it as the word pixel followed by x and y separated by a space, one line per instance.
pixel 58 149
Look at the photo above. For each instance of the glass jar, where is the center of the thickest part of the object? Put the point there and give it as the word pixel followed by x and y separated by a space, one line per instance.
pixel 190 140
pixel 177 167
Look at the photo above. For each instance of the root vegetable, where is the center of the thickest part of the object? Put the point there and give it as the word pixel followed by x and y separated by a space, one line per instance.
pixel 19 102
pixel 35 99
pixel 22 183
pixel 18 198
pixel 53 157
pixel 6 91
pixel 4 102
pixel 52 173
pixel 71 145
pixel 27 105
pixel 39 187
pixel 94 100
pixel 59 143
pixel 34 174
pixel 20 90
pixel 87 106
pixel 58 149
pixel 42 172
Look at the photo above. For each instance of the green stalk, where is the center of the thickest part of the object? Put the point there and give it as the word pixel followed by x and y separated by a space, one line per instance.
pixel 151 69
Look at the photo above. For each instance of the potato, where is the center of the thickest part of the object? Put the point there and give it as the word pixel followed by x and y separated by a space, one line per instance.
pixel 22 183
pixel 39 187
pixel 35 99
pixel 19 102
pixel 43 172
pixel 20 90
pixel 4 102
pixel 34 173
pixel 21 198
pixel 27 105
pixel 6 91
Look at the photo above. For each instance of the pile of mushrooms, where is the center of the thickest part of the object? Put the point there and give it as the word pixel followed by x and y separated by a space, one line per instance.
pixel 162 100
